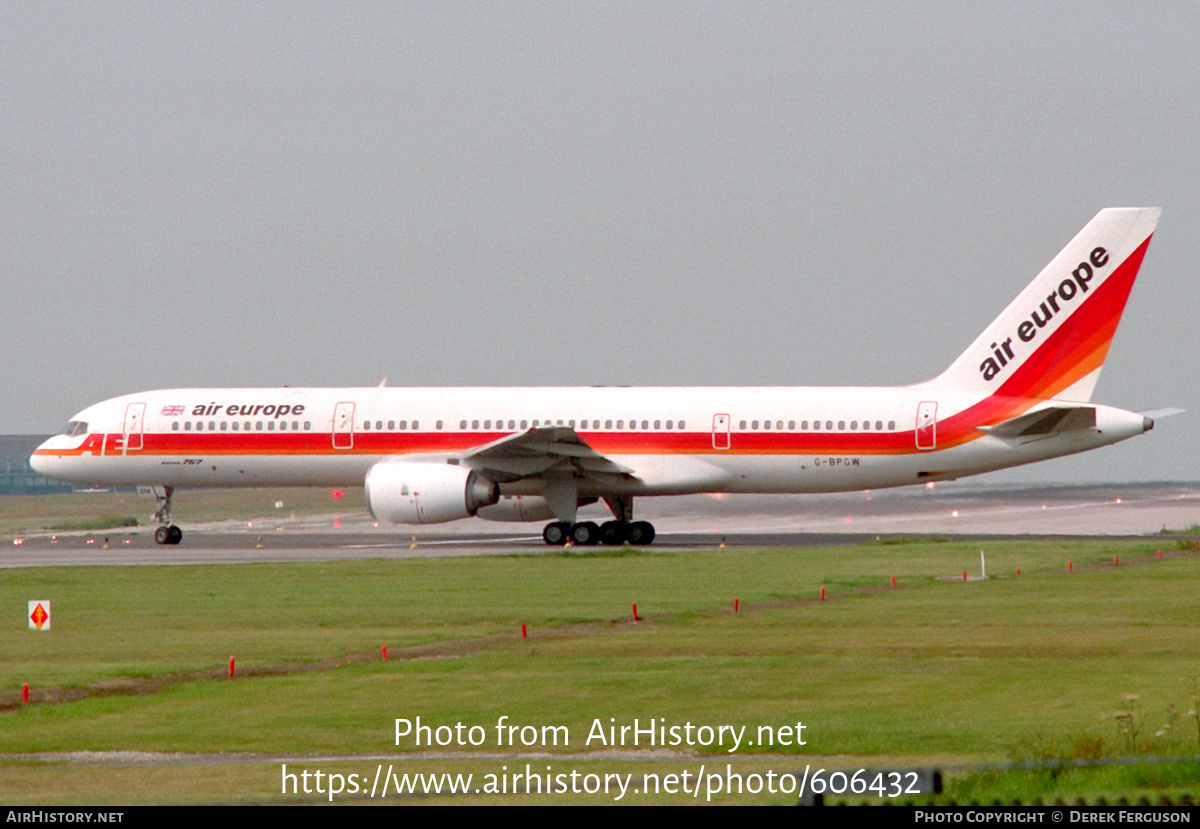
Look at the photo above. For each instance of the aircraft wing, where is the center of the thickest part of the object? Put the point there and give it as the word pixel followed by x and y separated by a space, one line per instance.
pixel 552 451
pixel 1053 420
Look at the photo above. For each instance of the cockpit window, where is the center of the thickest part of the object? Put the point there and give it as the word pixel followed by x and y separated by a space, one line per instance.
pixel 75 428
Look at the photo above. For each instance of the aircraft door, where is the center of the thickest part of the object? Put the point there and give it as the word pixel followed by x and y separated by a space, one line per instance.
pixel 135 413
pixel 720 432
pixel 343 426
pixel 927 425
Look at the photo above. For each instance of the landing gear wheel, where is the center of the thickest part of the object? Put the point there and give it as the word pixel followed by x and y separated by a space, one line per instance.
pixel 556 534
pixel 585 534
pixel 641 532
pixel 168 535
pixel 612 533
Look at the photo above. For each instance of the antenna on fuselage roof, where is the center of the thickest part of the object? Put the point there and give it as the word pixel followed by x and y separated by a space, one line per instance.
pixel 383 382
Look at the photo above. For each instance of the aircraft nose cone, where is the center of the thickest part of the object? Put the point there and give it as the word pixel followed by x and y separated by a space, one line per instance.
pixel 1147 423
pixel 42 464
pixel 38 463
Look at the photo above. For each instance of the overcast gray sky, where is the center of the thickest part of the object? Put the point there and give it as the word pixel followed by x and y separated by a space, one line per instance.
pixel 235 194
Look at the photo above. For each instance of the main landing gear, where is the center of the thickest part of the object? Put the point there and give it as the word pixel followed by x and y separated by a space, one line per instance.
pixel 168 533
pixel 611 533
pixel 587 533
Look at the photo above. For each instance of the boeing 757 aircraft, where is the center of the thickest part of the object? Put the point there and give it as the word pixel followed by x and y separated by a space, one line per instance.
pixel 1019 394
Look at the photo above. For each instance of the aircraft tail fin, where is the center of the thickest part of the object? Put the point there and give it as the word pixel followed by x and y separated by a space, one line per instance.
pixel 1052 340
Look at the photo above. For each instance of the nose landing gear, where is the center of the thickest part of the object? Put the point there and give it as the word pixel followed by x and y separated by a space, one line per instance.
pixel 169 533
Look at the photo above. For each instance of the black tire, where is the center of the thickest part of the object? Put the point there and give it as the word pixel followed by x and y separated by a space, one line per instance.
pixel 162 535
pixel 556 533
pixel 641 532
pixel 585 534
pixel 612 533
pixel 175 535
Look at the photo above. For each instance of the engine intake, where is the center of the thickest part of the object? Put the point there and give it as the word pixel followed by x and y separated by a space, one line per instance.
pixel 400 492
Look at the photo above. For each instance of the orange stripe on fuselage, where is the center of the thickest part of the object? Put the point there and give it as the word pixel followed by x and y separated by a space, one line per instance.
pixel 1075 349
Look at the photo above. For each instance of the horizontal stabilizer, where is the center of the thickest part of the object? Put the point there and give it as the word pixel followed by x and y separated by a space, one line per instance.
pixel 1159 414
pixel 1052 420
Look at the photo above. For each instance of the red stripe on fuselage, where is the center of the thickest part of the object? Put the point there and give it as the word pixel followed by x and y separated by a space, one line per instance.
pixel 406 443
pixel 1075 349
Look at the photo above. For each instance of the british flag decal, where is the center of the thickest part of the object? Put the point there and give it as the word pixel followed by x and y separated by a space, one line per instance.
pixel 172 411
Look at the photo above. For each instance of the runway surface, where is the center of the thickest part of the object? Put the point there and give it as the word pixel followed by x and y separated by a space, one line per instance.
pixel 1117 510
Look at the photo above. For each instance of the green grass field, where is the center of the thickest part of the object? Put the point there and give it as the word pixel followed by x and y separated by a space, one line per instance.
pixel 1100 663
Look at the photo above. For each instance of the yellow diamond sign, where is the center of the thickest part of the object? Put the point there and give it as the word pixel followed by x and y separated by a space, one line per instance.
pixel 39 615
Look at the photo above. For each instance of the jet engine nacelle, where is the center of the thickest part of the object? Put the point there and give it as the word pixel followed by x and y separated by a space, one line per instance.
pixel 426 493
pixel 518 508
pixel 523 508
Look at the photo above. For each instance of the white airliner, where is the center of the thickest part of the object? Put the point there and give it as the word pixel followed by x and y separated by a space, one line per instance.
pixel 1019 394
